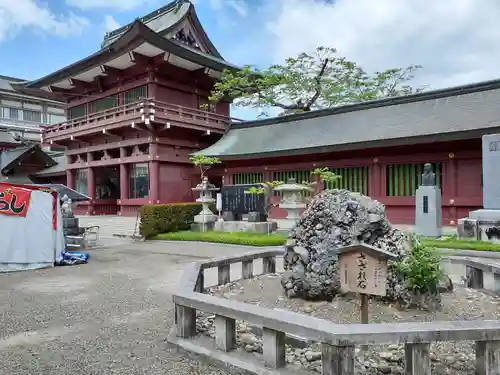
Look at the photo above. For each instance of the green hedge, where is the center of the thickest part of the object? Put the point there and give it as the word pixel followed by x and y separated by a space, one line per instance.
pixel 164 218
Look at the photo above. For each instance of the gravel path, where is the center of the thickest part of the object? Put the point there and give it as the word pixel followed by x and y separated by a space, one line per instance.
pixel 111 316
pixel 447 357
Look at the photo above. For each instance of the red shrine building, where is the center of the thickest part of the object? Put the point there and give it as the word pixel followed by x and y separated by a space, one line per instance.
pixel 137 109
pixel 378 148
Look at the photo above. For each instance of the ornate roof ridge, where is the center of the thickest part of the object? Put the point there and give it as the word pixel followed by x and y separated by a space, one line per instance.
pixel 172 6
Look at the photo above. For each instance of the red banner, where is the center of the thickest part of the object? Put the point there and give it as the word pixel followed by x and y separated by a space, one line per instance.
pixel 14 201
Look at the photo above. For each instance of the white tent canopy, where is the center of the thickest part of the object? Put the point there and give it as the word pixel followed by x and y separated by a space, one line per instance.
pixel 31 234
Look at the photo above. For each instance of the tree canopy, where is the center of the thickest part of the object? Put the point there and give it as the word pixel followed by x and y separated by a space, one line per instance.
pixel 312 81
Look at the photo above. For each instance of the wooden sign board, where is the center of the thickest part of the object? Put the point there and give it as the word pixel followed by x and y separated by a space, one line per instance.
pixel 363 273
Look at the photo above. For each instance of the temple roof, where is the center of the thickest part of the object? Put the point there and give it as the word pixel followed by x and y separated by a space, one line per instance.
pixel 14 87
pixel 137 40
pixel 11 159
pixel 163 21
pixel 463 112
pixel 5 83
pixel 59 168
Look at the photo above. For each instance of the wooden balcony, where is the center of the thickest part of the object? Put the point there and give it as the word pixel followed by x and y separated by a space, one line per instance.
pixel 148 115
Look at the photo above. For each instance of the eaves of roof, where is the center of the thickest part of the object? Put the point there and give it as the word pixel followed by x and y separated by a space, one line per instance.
pixel 137 34
pixel 464 112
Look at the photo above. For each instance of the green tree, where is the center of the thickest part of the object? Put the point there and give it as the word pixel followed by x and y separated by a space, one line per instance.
pixel 204 163
pixel 311 81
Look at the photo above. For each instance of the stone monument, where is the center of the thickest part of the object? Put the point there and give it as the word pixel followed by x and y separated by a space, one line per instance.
pixel 292 201
pixel 484 224
pixel 428 216
pixel 206 218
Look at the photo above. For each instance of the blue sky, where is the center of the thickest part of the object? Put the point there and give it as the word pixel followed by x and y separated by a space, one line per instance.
pixel 33 52
pixel 456 42
pixel 41 37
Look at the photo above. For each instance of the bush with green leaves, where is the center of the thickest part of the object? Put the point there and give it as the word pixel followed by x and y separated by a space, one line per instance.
pixel 421 269
pixel 164 218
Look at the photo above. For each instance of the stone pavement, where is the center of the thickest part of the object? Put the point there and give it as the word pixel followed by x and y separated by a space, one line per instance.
pixel 111 316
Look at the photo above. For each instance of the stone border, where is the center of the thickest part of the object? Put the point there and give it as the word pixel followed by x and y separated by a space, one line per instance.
pixel 469 253
pixel 338 341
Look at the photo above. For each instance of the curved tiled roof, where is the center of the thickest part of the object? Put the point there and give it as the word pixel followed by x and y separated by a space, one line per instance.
pixel 456 113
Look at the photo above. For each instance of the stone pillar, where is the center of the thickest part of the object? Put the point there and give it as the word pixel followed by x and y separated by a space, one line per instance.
pixel 418 360
pixel 154 182
pixel 224 274
pixel 225 333
pixel 273 343
pixel 337 360
pixel 487 357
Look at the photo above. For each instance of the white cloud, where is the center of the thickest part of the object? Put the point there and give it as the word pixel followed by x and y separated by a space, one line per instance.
pixel 110 23
pixel 119 5
pixel 238 6
pixel 455 40
pixel 19 15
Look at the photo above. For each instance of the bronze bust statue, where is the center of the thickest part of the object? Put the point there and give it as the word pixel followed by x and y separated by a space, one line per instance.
pixel 428 177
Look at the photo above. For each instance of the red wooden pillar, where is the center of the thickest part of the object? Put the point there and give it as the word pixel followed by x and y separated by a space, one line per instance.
pixel 124 176
pixel 268 175
pixel 449 192
pixel 375 188
pixel 91 184
pixel 227 178
pixel 70 178
pixel 92 189
pixel 154 182
pixel 154 174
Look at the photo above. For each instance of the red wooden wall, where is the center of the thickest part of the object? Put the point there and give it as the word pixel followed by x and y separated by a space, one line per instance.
pixel 460 175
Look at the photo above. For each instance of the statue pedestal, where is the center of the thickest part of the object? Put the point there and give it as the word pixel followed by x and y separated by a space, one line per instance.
pixel 428 215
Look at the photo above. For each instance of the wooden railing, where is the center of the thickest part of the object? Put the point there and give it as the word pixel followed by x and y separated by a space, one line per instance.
pixel 338 341
pixel 172 112
pixel 92 119
pixel 135 111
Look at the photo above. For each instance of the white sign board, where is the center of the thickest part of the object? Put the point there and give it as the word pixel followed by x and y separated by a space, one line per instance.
pixel 363 273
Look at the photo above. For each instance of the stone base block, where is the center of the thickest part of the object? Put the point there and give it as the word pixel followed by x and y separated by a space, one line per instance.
pixel 70 222
pixel 245 226
pixel 257 217
pixel 481 225
pixel 202 227
pixel 467 229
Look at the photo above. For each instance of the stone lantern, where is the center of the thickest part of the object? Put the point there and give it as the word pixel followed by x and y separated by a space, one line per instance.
pixel 292 201
pixel 206 218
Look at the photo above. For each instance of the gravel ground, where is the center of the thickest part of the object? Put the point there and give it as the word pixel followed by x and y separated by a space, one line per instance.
pixel 111 316
pixel 447 357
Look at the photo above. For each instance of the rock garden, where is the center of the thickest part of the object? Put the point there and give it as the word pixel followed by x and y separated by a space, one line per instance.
pixel 416 290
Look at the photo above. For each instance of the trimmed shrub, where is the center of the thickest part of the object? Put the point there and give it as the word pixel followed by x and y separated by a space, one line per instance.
pixel 164 218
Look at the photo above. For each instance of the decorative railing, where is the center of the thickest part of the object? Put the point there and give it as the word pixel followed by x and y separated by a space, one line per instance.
pixel 338 341
pixel 172 112
pixel 162 112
